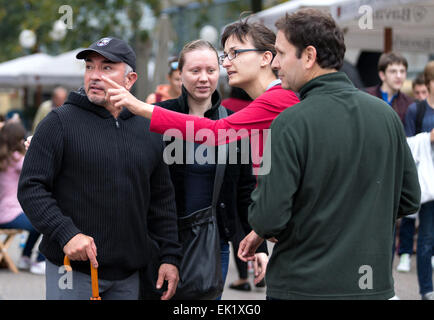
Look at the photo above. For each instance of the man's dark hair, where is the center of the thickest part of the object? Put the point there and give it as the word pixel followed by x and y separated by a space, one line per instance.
pixel 389 58
pixel 262 38
pixel 418 81
pixel 311 27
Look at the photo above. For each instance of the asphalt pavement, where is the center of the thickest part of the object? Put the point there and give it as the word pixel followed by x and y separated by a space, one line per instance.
pixel 27 286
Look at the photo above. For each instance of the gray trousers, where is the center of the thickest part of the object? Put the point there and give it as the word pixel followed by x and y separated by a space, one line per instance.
pixel 61 285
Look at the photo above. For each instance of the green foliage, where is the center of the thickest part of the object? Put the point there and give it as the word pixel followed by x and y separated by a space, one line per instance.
pixel 91 20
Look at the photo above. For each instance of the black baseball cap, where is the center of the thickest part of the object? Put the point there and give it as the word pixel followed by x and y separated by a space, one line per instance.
pixel 113 49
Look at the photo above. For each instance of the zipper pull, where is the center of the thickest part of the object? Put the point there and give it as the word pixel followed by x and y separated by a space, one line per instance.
pixel 117 123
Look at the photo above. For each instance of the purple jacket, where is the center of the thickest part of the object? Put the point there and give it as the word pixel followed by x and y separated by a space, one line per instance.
pixel 399 104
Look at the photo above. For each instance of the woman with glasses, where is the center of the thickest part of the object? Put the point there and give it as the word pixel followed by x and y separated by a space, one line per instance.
pixel 171 90
pixel 248 54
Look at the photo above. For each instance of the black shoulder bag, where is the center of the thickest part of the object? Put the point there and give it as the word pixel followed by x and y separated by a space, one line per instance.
pixel 200 270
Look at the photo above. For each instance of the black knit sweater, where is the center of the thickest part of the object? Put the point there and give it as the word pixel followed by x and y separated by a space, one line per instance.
pixel 87 172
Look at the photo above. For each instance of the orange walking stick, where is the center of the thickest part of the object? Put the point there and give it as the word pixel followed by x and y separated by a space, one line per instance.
pixel 93 277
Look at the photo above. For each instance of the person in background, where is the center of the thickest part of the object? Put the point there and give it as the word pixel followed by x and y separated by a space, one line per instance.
pixel 420 118
pixel 420 90
pixel 392 70
pixel 407 226
pixel 58 98
pixel 12 153
pixel 171 90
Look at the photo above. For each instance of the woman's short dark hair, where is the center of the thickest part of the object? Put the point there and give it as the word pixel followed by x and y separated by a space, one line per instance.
pixel 262 38
pixel 312 27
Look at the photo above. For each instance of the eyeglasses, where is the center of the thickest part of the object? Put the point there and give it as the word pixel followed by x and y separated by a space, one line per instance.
pixel 231 55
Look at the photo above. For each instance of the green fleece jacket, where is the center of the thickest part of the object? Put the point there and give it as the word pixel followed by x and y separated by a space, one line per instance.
pixel 341 174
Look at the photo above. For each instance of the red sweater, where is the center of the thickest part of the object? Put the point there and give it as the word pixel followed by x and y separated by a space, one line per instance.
pixel 235 104
pixel 250 121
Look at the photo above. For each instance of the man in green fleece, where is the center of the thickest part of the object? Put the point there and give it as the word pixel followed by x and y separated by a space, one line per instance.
pixel 341 174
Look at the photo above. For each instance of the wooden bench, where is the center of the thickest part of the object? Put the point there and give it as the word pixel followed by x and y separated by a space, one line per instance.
pixel 4 245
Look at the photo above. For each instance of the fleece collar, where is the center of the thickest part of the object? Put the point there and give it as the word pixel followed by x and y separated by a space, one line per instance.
pixel 325 84
pixel 80 99
pixel 183 103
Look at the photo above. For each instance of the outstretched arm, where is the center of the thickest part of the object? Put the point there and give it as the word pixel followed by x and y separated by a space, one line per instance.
pixel 249 121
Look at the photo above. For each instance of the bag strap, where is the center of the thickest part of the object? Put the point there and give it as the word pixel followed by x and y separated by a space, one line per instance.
pixel 420 113
pixel 220 168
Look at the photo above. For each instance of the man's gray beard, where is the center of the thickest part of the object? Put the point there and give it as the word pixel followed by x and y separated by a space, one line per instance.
pixel 98 101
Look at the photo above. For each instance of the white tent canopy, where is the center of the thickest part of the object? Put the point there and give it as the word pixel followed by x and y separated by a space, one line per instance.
pixel 64 69
pixel 42 69
pixel 412 21
pixel 11 71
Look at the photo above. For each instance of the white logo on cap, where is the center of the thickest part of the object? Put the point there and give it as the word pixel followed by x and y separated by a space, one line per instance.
pixel 103 42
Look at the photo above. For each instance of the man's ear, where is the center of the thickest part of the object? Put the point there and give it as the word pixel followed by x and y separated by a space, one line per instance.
pixel 130 79
pixel 267 58
pixel 382 75
pixel 309 57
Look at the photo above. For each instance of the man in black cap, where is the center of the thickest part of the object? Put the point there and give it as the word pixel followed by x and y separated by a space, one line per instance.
pixel 95 185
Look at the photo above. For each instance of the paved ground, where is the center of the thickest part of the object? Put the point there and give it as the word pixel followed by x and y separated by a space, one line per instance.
pixel 26 286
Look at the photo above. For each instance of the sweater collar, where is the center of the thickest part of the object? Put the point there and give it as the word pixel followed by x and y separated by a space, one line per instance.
pixel 183 102
pixel 273 83
pixel 325 84
pixel 380 93
pixel 80 99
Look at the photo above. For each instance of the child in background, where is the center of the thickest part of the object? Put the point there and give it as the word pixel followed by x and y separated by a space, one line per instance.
pixel 12 152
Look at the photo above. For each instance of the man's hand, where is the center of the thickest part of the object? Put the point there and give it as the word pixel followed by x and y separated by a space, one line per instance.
pixel 170 273
pixel 248 246
pixel 260 266
pixel 432 135
pixel 82 248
